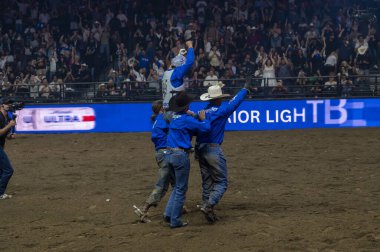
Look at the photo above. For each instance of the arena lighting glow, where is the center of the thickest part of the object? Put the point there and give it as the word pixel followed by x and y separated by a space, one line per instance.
pixel 251 115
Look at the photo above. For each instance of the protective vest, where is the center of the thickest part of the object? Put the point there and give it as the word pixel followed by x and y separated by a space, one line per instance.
pixel 168 90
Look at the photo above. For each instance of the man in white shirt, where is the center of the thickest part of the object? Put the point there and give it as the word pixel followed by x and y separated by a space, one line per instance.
pixel 211 78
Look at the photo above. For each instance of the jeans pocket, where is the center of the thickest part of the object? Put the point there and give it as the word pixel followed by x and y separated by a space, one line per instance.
pixel 160 157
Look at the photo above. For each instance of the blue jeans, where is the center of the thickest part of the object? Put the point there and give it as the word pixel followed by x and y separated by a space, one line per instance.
pixel 213 167
pixel 6 171
pixel 165 177
pixel 179 162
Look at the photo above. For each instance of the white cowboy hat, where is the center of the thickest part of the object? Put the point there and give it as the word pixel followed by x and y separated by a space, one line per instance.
pixel 220 84
pixel 213 92
pixel 131 62
pixel 362 50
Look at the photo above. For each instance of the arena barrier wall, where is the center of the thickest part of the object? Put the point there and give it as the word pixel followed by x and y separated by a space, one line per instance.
pixel 251 115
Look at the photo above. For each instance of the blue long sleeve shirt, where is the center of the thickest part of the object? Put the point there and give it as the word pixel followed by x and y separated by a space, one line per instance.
pixel 218 116
pixel 179 72
pixel 160 131
pixel 183 127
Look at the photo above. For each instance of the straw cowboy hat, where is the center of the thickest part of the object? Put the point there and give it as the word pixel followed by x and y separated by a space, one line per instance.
pixel 214 92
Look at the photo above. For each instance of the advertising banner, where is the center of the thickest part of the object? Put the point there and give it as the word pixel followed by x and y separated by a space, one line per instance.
pixel 251 115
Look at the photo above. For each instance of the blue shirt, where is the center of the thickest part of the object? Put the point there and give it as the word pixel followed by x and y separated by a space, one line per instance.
pixel 218 116
pixel 159 132
pixel 182 128
pixel 144 61
pixel 179 72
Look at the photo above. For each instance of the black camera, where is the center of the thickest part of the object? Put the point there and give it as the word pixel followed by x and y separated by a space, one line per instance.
pixel 16 106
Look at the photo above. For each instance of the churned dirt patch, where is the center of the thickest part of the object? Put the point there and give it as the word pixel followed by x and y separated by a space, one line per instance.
pixel 309 190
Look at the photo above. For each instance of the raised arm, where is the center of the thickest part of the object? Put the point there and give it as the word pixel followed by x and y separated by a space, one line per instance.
pixel 227 109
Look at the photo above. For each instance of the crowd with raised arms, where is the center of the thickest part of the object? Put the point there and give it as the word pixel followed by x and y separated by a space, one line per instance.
pixel 129 44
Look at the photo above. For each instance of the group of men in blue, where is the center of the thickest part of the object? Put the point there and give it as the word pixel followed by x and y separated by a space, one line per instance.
pixel 174 126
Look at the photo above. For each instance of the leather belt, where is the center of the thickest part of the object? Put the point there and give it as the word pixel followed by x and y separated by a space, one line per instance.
pixel 213 144
pixel 178 149
pixel 209 144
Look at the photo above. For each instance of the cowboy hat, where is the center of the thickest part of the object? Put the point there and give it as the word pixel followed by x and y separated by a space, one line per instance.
pixel 213 92
pixel 362 50
pixel 180 101
pixel 131 62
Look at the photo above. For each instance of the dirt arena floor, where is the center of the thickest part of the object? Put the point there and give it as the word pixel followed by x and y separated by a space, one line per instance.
pixel 309 190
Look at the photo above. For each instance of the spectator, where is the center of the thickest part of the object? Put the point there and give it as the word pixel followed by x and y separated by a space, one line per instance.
pixel 33 83
pixel 44 89
pixel 102 91
pixel 55 87
pixel 84 75
pixel 346 51
pixel 301 79
pixel 215 58
pixel 38 40
pixel 153 80
pixel 347 85
pixel 268 73
pixel 330 84
pixel 279 90
pixel 284 69
pixel 211 78
pixel 331 63
pixel 362 60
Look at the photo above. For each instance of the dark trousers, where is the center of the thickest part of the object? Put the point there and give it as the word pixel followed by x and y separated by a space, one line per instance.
pixel 6 171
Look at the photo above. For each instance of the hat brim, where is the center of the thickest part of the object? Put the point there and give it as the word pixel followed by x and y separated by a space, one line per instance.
pixel 362 51
pixel 207 97
pixel 175 108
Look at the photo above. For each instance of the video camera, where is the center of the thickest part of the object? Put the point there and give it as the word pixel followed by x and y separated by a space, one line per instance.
pixel 16 106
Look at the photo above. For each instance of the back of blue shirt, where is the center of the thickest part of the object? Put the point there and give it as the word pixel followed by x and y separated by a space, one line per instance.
pixel 159 132
pixel 183 127
pixel 218 117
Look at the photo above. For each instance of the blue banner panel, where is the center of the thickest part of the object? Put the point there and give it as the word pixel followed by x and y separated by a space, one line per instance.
pixel 251 115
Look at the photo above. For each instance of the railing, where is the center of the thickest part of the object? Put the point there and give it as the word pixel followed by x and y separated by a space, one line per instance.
pixel 264 88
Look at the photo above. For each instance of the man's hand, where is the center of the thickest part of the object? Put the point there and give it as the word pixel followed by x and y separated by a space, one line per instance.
pixel 12 123
pixel 189 44
pixel 191 113
pixel 202 115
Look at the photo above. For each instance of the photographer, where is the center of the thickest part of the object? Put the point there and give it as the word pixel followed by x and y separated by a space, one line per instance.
pixel 6 169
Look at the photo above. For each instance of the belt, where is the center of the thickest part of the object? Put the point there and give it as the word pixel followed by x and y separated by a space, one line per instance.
pixel 179 149
pixel 209 144
pixel 213 144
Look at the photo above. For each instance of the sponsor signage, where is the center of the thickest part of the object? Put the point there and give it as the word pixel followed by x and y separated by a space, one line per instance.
pixel 56 119
pixel 251 115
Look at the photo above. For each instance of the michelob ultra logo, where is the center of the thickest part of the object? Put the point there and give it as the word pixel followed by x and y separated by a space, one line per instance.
pixel 56 119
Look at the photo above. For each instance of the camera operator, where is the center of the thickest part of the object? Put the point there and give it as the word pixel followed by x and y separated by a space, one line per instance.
pixel 6 169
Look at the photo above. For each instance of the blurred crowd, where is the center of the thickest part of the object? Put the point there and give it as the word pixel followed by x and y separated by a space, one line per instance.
pixel 127 45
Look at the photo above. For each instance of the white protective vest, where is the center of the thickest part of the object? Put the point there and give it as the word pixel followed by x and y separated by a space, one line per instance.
pixel 167 88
